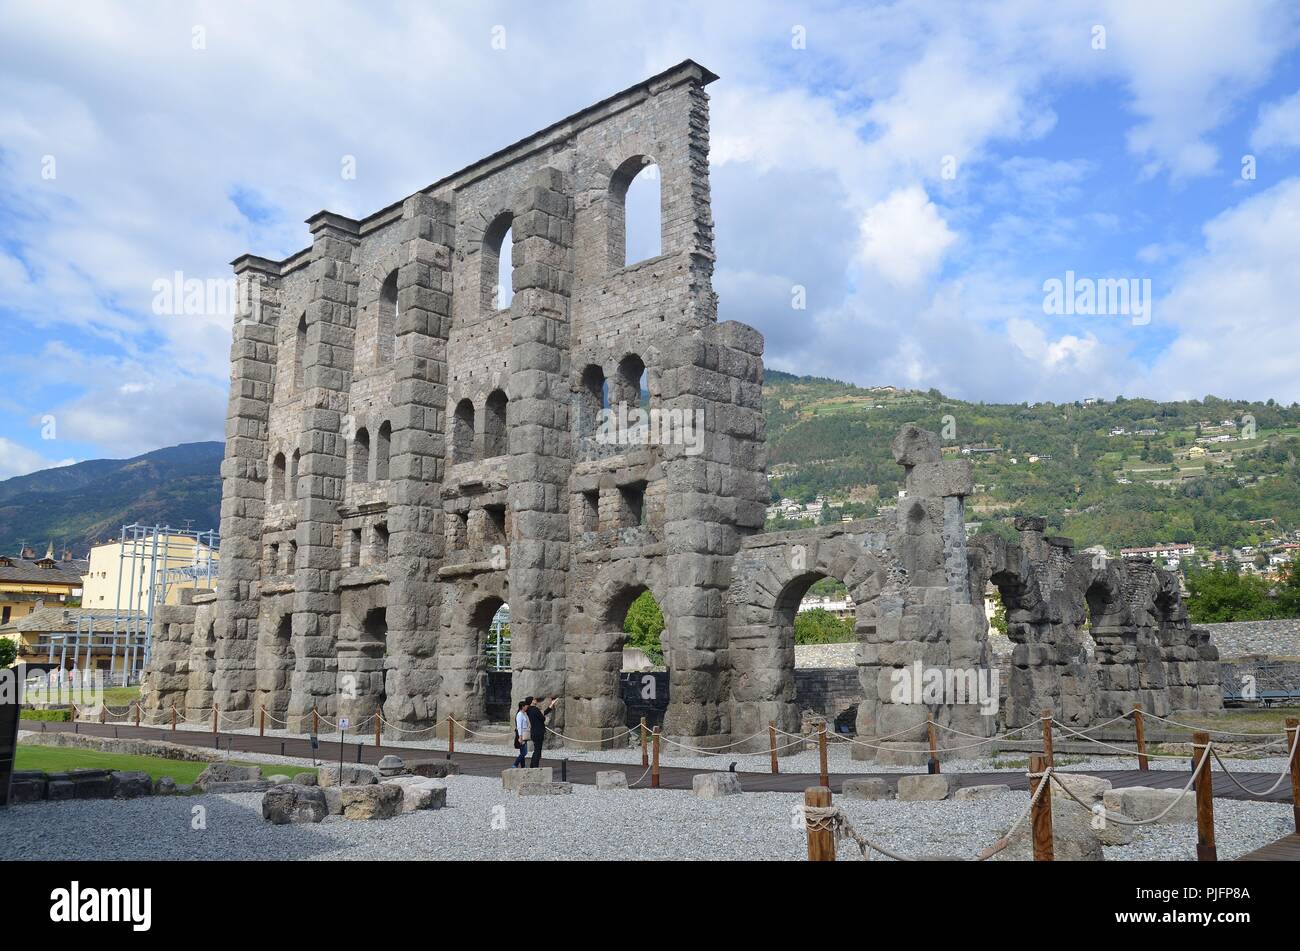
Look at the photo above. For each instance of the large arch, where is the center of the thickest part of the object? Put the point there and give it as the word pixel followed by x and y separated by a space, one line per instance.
pixel 469 606
pixel 276 661
pixel 362 653
pixel 594 711
pixel 772 574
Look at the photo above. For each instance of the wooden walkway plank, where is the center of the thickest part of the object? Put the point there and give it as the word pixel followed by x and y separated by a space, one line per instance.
pixel 584 771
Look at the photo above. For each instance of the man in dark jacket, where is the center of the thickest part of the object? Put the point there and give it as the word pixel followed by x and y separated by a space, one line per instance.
pixel 537 721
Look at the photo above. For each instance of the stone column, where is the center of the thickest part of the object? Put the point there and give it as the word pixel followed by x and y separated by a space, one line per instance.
pixel 331 327
pixel 419 398
pixel 244 472
pixel 717 494
pixel 540 458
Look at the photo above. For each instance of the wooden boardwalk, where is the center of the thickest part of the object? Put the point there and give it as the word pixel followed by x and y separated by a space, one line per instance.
pixel 1285 849
pixel 670 777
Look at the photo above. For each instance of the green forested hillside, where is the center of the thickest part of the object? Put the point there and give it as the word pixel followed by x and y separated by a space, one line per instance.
pixel 831 438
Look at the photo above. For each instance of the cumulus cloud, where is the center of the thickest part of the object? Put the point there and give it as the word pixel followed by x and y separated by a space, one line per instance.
pixel 1278 126
pixel 904 236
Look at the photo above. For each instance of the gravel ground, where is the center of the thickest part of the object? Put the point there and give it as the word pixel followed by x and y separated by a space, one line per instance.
pixel 483 822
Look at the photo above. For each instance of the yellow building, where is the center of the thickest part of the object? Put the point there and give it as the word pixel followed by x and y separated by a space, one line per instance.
pixel 28 583
pixel 119 576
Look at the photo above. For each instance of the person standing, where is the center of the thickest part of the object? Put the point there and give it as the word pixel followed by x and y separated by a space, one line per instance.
pixel 537 722
pixel 522 729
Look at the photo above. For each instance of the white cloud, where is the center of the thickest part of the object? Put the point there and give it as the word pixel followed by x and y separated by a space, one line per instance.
pixel 16 460
pixel 904 237
pixel 1233 305
pixel 1278 126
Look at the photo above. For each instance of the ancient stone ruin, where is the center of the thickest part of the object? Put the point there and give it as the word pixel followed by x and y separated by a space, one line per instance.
pixel 404 456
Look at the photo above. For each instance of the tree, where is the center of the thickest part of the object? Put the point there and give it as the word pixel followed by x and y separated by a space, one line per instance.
pixel 644 627
pixel 1224 595
pixel 819 626
pixel 999 620
pixel 8 651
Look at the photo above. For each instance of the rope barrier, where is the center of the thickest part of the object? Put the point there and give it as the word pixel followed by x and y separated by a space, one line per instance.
pixel 1185 726
pixel 833 818
pixel 1156 818
pixel 1285 774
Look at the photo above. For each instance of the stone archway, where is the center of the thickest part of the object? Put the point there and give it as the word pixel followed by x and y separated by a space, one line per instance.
pixel 363 653
pixel 771 576
pixel 462 664
pixel 593 710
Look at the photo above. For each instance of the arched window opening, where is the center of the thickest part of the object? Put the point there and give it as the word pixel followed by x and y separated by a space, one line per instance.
pixel 381 543
pixel 462 428
pixel 277 477
pixel 361 456
pixel 386 337
pixel 494 425
pixel 300 354
pixel 498 263
pixel 293 557
pixel 633 383
pixel 383 450
pixel 635 212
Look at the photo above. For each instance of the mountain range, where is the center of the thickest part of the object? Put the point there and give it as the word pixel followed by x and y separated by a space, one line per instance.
pixel 1117 472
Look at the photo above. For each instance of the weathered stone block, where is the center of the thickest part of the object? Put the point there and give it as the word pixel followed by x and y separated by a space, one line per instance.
pixel 545 789
pixel 291 803
pixel 371 801
pixel 611 779
pixel 512 779
pixel 924 788
pixel 870 788
pixel 715 785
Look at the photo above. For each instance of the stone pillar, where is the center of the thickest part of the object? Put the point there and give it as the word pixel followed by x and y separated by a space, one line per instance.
pixel 331 327
pixel 540 459
pixel 717 494
pixel 244 472
pixel 419 398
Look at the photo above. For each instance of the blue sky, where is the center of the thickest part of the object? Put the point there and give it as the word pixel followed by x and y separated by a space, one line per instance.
pixel 919 169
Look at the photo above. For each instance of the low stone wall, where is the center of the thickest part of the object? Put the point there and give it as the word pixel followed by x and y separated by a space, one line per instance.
pixel 109 744
pixel 833 693
pixel 1240 638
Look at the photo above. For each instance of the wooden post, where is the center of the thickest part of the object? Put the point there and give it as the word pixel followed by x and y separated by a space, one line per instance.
pixel 379 726
pixel 1140 729
pixel 1047 737
pixel 315 720
pixel 821 752
pixel 645 753
pixel 934 747
pixel 1205 848
pixel 1042 814
pixel 215 714
pixel 103 713
pixel 654 764
pixel 821 840
pixel 451 736
pixel 173 718
pixel 771 741
pixel 137 713
pixel 262 722
pixel 74 713
pixel 1292 727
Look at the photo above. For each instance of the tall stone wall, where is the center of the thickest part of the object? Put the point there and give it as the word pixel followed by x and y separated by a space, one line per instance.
pixel 407 452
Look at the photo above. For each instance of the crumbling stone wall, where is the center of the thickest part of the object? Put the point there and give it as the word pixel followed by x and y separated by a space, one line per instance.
pixel 1146 651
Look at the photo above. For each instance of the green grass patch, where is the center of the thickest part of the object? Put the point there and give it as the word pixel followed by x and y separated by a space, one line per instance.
pixel 59 759
pixel 120 696
pixel 48 716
